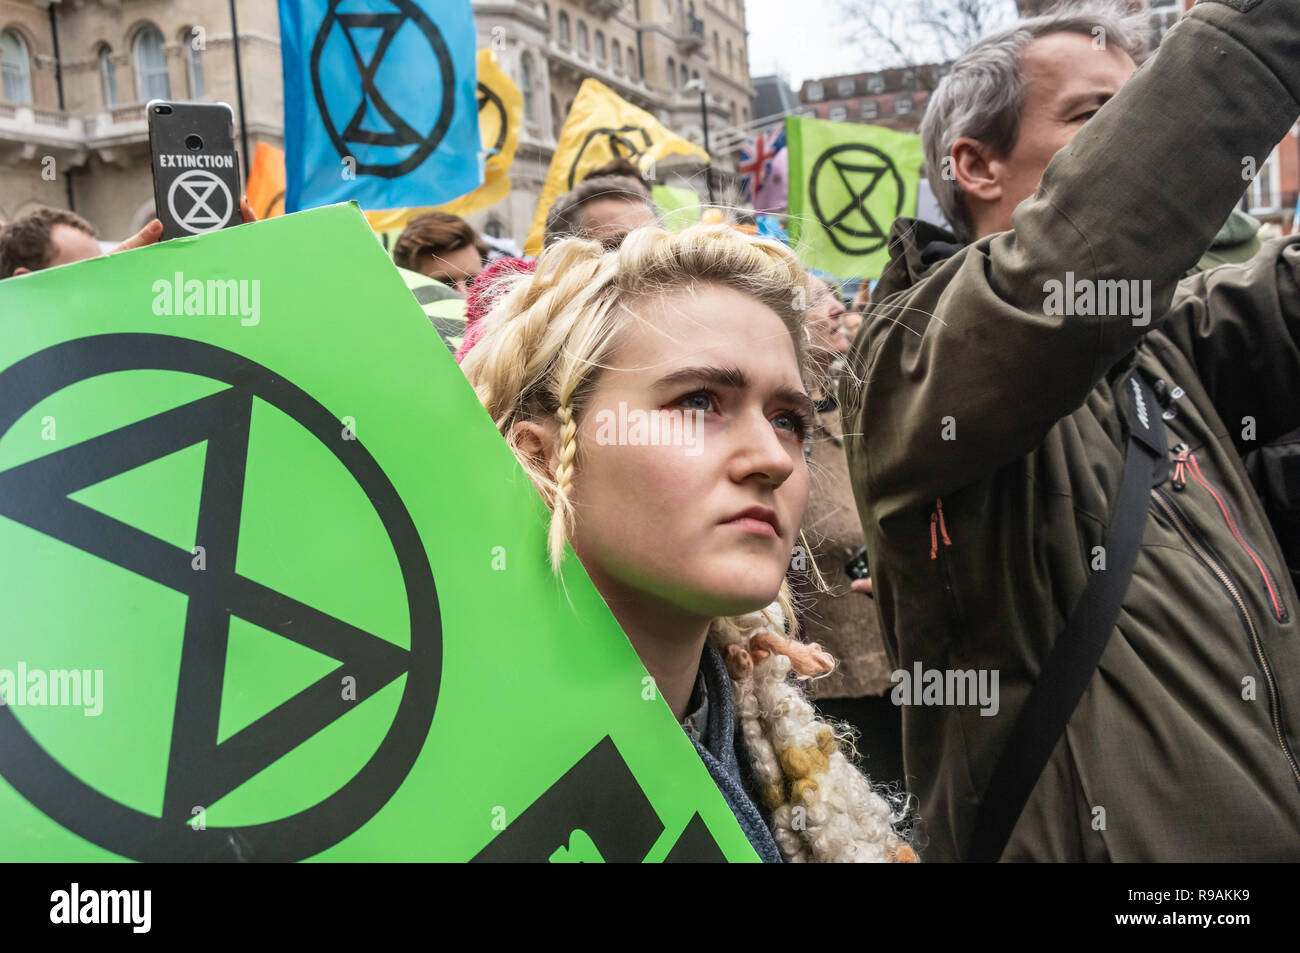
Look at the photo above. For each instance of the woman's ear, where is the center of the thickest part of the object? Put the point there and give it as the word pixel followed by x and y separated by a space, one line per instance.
pixel 535 442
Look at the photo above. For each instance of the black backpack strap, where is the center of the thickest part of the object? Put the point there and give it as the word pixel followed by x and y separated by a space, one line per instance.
pixel 1074 657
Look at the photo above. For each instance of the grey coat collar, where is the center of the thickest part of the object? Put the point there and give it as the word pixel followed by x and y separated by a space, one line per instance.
pixel 729 769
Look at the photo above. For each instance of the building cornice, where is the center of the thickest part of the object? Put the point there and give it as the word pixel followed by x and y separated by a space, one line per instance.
pixel 723 14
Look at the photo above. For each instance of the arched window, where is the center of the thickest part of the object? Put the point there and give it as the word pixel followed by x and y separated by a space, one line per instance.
pixel 618 56
pixel 557 121
pixel 672 71
pixel 717 50
pixel 631 62
pixel 526 83
pixel 16 67
pixel 564 27
pixel 600 46
pixel 151 65
pixel 107 75
pixel 584 42
pixel 731 59
pixel 685 78
pixel 194 61
pixel 494 228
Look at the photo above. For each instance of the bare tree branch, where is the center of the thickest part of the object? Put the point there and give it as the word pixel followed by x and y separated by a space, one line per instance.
pixel 897 33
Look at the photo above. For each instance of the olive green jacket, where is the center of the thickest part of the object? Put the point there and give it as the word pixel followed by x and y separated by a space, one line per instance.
pixel 992 444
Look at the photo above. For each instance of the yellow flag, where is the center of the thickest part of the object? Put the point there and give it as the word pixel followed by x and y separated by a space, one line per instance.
pixel 500 116
pixel 600 127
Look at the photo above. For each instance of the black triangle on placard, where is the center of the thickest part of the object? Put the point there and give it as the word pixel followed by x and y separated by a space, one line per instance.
pixel 696 845
pixel 200 771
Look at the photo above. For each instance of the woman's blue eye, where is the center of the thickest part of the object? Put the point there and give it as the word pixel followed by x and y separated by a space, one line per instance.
pixel 793 421
pixel 700 400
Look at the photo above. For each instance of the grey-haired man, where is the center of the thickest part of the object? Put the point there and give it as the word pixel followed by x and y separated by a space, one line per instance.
pixel 996 402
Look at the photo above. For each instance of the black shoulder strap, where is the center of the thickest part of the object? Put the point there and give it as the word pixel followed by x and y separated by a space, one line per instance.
pixel 1074 657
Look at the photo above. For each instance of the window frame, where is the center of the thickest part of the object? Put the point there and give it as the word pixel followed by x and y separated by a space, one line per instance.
pixel 526 86
pixel 144 75
pixel 20 71
pixel 107 75
pixel 193 65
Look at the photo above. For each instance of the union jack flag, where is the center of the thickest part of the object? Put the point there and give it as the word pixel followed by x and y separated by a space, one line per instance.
pixel 756 157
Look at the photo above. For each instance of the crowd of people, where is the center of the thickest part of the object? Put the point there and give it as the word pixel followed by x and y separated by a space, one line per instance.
pixel 943 473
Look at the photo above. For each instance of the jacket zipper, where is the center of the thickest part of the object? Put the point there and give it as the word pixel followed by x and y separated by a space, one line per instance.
pixel 938 530
pixel 1207 557
pixel 1280 610
pixel 936 526
pixel 1179 478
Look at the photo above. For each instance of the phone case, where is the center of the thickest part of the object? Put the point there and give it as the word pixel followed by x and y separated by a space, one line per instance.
pixel 195 168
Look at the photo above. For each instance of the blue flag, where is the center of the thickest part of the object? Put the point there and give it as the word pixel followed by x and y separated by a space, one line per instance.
pixel 380 102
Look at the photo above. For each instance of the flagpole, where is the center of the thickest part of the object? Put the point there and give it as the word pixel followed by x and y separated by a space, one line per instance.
pixel 239 88
pixel 704 121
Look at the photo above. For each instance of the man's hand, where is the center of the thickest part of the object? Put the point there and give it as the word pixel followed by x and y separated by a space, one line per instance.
pixel 153 231
pixel 146 236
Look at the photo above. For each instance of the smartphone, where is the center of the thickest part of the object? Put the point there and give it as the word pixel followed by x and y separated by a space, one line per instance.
pixel 856 567
pixel 195 168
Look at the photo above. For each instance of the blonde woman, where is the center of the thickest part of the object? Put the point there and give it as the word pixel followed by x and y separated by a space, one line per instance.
pixel 688 543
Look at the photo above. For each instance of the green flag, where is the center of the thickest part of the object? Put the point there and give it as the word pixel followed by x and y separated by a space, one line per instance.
pixel 276 589
pixel 678 207
pixel 848 182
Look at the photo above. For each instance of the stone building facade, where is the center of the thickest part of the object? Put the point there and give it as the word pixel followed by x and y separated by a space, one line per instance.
pixel 72 125
pixel 86 145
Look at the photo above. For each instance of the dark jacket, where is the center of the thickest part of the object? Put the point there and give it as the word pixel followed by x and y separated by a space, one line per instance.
pixel 842 621
pixel 727 759
pixel 991 451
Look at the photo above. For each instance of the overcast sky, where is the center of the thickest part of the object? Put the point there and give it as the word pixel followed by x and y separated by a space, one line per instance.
pixel 800 39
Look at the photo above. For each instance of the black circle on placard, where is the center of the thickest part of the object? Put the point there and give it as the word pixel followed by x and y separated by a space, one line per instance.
pixel 100 819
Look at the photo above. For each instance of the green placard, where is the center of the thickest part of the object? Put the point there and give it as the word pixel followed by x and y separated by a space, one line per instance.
pixel 848 182
pixel 275 587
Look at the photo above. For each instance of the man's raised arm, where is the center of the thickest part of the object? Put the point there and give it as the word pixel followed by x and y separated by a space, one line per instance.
pixel 981 347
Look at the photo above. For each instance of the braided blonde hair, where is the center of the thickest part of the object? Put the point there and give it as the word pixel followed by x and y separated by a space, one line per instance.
pixel 545 339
